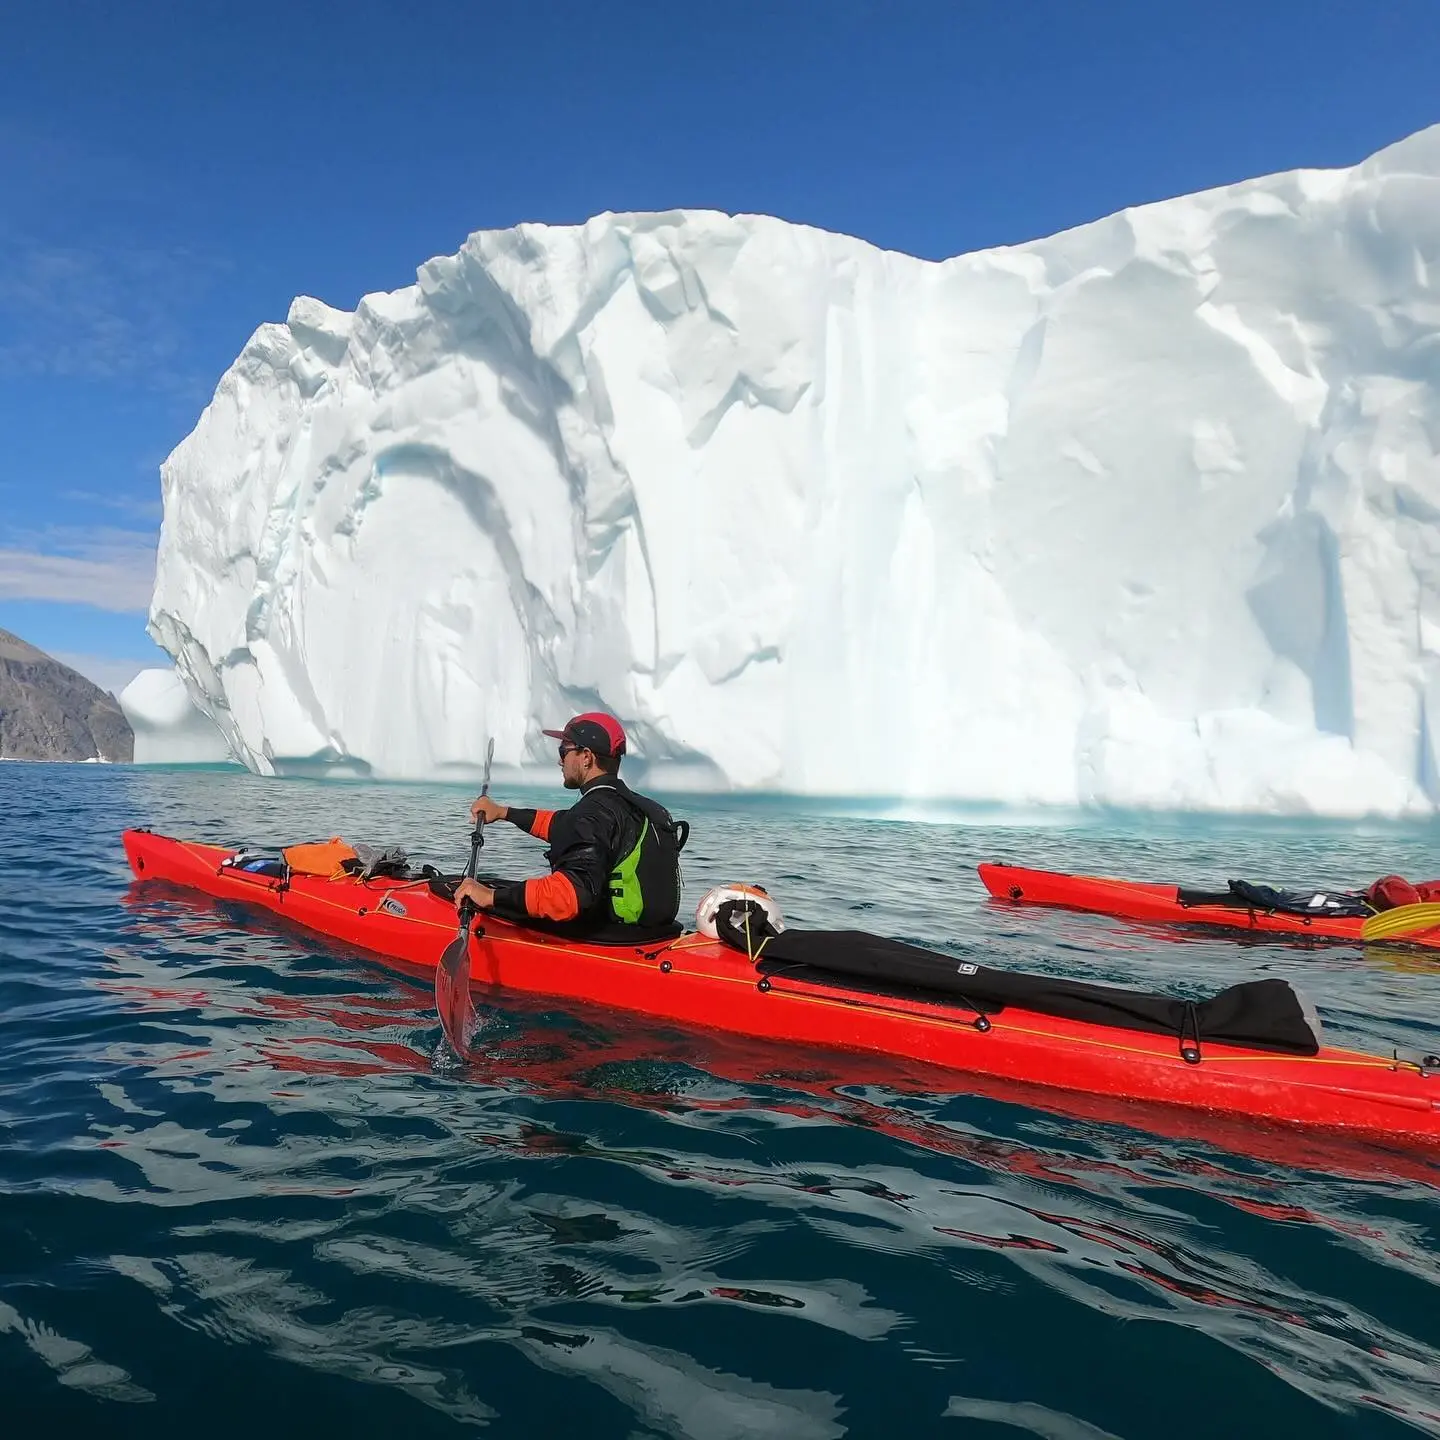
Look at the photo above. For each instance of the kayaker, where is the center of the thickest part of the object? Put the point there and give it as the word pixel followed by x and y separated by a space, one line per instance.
pixel 614 855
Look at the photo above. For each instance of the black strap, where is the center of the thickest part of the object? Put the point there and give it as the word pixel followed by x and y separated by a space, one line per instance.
pixel 1190 1025
pixel 646 808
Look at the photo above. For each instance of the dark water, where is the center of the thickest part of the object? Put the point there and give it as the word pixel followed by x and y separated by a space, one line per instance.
pixel 238 1196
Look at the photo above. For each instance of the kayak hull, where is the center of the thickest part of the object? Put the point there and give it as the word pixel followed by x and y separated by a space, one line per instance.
pixel 700 982
pixel 1161 905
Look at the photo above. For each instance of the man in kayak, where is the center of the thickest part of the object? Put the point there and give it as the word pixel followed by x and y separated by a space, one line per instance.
pixel 614 855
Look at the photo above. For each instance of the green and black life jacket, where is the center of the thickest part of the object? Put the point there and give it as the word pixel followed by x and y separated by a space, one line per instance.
pixel 645 883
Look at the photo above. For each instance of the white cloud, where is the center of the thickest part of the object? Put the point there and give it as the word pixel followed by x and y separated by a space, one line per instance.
pixel 109 569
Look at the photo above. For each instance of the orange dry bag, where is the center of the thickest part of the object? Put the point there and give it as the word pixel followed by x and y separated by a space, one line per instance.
pixel 325 858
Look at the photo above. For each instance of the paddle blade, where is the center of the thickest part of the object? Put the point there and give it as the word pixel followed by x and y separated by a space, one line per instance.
pixel 1402 920
pixel 452 993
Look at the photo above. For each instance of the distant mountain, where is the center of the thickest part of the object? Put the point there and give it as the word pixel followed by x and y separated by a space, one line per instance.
pixel 50 712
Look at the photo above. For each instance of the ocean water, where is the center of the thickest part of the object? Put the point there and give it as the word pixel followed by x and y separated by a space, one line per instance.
pixel 239 1195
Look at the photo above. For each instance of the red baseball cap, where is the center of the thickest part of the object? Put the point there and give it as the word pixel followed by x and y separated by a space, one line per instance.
pixel 595 731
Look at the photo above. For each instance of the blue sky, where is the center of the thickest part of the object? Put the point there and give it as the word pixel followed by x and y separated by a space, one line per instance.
pixel 172 174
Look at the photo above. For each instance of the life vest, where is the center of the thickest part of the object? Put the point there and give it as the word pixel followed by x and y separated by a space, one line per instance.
pixel 645 884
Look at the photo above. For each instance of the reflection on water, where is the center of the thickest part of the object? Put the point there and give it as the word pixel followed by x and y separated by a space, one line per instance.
pixel 231 1167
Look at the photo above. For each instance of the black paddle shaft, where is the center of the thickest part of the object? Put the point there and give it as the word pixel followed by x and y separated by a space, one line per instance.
pixel 467 907
pixel 477 839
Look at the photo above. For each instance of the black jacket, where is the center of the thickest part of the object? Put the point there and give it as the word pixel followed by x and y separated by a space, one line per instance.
pixel 587 842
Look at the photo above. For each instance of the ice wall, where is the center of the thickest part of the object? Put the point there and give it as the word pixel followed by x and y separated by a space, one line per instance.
pixel 1141 514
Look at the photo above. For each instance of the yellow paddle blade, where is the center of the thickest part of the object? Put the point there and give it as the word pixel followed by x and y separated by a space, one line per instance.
pixel 1402 920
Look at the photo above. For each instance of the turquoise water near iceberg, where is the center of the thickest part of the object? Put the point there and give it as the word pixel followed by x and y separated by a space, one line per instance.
pixel 238 1195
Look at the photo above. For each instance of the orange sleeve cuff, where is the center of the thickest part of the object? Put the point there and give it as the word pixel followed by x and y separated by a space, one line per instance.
pixel 551 897
pixel 540 828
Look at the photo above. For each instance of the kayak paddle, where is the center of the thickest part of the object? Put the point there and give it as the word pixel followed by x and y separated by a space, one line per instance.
pixel 1402 920
pixel 452 974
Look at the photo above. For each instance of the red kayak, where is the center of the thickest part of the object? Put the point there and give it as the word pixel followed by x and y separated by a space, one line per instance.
pixel 705 983
pixel 1165 905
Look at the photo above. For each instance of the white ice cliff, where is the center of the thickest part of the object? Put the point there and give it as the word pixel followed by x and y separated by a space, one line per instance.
pixel 170 729
pixel 1143 514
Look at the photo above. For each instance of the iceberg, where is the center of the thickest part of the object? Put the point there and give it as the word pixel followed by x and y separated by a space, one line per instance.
pixel 1143 514
pixel 170 728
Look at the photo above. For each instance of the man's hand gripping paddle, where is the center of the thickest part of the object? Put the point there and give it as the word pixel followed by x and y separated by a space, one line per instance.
pixel 452 974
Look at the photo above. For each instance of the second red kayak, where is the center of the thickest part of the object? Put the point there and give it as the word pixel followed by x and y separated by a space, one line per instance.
pixel 1166 905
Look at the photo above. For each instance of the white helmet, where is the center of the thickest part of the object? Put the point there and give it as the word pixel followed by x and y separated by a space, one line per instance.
pixel 712 900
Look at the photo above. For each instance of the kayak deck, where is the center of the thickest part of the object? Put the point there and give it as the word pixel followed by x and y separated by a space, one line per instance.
pixel 701 982
pixel 1161 904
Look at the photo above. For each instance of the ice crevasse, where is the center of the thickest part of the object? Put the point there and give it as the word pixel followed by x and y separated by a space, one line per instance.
pixel 1141 514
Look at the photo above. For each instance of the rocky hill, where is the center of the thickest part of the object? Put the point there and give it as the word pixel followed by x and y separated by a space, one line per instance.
pixel 50 712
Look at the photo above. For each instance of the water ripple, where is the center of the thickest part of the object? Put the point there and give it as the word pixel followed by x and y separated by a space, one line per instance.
pixel 235 1186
